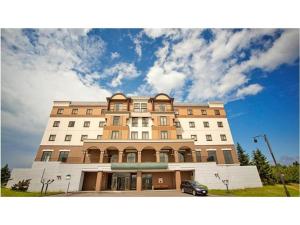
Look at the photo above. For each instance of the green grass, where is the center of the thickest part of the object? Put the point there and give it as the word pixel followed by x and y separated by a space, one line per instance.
pixel 265 191
pixel 5 192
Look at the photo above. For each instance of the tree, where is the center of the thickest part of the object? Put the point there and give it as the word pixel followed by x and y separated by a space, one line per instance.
pixel 242 156
pixel 5 175
pixel 263 167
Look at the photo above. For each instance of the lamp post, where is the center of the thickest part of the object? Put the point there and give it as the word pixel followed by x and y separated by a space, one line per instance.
pixel 264 136
pixel 68 177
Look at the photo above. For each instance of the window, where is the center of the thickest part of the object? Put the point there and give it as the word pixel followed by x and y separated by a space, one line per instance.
pixel 102 111
pixel 113 158
pixel 177 124
pixel 71 124
pixel 136 107
pixel 181 157
pixel 162 108
pixel 206 124
pixel 145 135
pixel 227 156
pixel 163 157
pixel 60 111
pixel 46 156
pixel 220 124
pixel 164 134
pixel 176 112
pixel 56 123
pixel 89 111
pixel 140 107
pixel 86 124
pixel 190 111
pixel 223 137
pixel 101 124
pixel 208 137
pixel 212 156
pixel 179 136
pixel 68 137
pixel 83 137
pixel 74 111
pixel 145 122
pixel 99 137
pixel 198 156
pixel 203 112
pixel 192 124
pixel 115 134
pixel 135 121
pixel 52 137
pixel 131 157
pixel 163 120
pixel 194 136
pixel 116 120
pixel 217 112
pixel 143 107
pixel 134 135
pixel 63 156
pixel 118 107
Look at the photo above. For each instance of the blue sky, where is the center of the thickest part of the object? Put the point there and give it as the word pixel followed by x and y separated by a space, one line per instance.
pixel 254 71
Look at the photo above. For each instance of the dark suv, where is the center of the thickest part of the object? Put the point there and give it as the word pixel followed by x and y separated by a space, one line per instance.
pixel 193 187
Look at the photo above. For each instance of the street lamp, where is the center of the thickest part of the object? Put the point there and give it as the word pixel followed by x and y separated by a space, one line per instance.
pixel 281 175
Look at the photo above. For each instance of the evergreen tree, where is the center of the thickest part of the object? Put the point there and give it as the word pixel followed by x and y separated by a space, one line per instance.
pixel 263 167
pixel 242 156
pixel 5 175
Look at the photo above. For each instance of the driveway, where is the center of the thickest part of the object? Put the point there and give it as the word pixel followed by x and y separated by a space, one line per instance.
pixel 167 193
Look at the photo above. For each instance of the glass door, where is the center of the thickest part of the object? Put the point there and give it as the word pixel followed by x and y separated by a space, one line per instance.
pixel 147 181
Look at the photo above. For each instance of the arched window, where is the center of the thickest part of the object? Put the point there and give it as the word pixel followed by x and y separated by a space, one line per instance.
pixel 181 157
pixel 114 158
pixel 131 157
pixel 163 157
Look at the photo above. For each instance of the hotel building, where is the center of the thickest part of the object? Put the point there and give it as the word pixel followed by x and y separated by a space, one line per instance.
pixel 136 143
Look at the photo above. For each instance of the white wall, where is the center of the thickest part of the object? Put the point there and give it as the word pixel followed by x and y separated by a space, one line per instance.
pixel 201 131
pixel 75 131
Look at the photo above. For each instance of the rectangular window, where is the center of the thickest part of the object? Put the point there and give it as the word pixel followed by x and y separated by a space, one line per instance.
pixel 190 111
pixel 71 124
pixel 206 124
pixel 212 156
pixel 162 108
pixel 46 156
pixel 63 156
pixel 136 107
pixel 102 111
pixel 99 137
pixel 176 112
pixel 56 123
pixel 60 111
pixel 164 135
pixel 68 137
pixel 145 122
pixel 163 120
pixel 86 124
pixel 177 124
pixel 145 135
pixel 217 112
pixel 193 136
pixel 89 111
pixel 227 156
pixel 52 137
pixel 135 121
pixel 179 136
pixel 220 124
pixel 223 137
pixel 116 120
pixel 118 107
pixel 83 137
pixel 74 111
pixel 198 156
pixel 115 134
pixel 208 137
pixel 203 112
pixel 143 107
pixel 101 124
pixel 192 124
pixel 134 135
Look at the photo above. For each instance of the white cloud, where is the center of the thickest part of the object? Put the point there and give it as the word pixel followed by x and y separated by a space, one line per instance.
pixel 251 89
pixel 114 55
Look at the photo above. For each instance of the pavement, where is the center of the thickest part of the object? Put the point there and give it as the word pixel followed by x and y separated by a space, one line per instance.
pixel 157 193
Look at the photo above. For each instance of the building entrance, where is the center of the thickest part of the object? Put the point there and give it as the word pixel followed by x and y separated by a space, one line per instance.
pixel 123 181
pixel 147 181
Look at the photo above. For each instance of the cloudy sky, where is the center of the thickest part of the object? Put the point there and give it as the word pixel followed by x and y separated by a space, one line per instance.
pixel 254 71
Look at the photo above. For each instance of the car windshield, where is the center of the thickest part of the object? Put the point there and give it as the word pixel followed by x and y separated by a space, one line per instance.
pixel 197 184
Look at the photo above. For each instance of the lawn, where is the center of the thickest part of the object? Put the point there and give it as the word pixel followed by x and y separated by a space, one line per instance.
pixel 5 192
pixel 265 191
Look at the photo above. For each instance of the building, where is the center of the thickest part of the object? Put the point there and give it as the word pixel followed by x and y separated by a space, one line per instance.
pixel 136 143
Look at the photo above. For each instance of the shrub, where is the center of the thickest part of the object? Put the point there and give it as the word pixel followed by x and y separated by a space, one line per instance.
pixel 21 185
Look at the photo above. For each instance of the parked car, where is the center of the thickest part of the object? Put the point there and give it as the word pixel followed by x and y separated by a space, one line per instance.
pixel 193 187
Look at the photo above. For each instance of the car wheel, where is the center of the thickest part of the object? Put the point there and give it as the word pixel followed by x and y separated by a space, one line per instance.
pixel 194 192
pixel 182 190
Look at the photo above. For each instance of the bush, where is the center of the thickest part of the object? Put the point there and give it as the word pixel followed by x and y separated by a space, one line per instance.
pixel 21 185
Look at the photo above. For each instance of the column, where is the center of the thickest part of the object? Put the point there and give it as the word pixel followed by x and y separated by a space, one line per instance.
pixel 99 181
pixel 177 179
pixel 139 154
pixel 194 156
pixel 139 181
pixel 120 156
pixel 84 155
pixel 176 156
pixel 157 156
pixel 101 156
